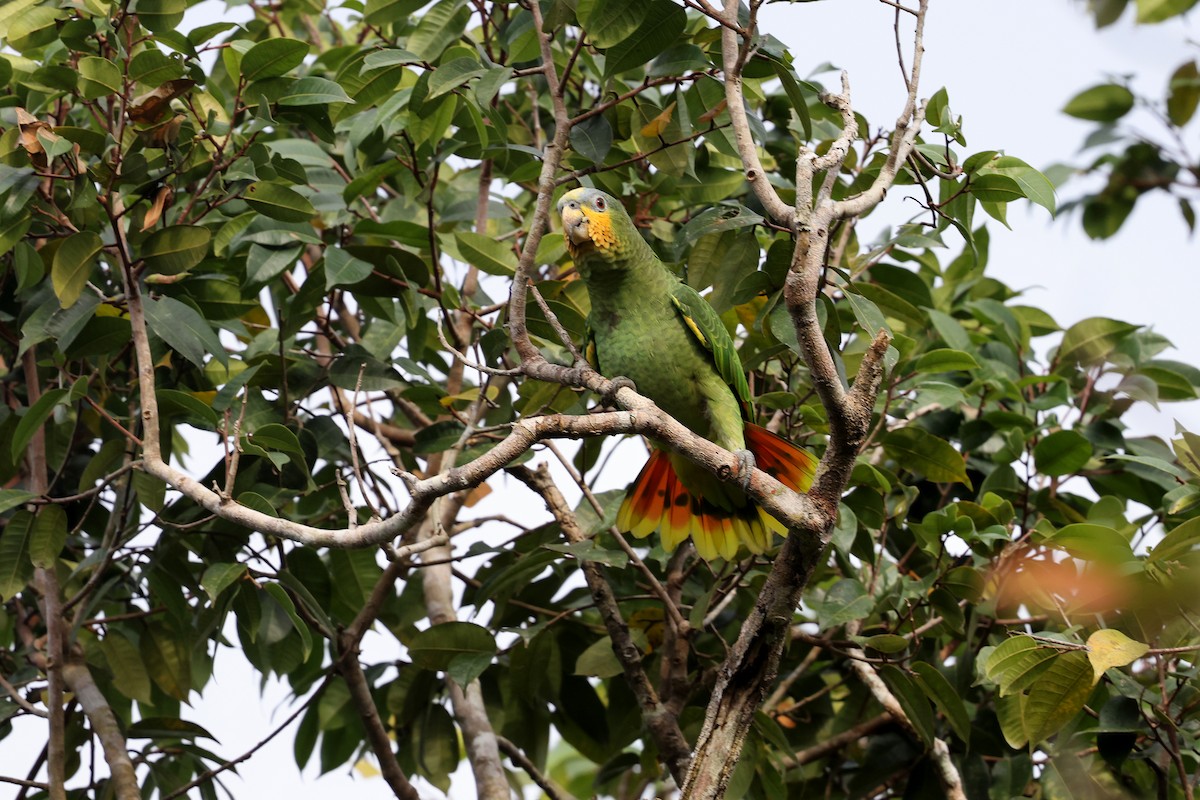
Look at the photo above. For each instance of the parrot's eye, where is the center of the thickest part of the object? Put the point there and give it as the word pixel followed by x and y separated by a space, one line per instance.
pixel 599 203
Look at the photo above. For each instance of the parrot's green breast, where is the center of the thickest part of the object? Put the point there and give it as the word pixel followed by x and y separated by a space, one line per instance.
pixel 640 334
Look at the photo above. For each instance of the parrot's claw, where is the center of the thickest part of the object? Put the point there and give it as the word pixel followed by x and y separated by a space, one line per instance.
pixel 609 398
pixel 745 466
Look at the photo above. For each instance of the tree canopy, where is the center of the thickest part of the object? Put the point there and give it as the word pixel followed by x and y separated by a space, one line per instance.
pixel 283 303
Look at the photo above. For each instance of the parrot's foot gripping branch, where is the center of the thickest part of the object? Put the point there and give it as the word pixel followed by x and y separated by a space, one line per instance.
pixel 745 466
pixel 609 398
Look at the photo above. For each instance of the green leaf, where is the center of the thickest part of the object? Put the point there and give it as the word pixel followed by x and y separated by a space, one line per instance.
pixel 49 536
pixel 965 583
pixel 1180 541
pixel 219 577
pixel 1011 714
pixel 175 249
pixel 466 667
pixel 449 76
pixel 599 660
pixel 389 57
pixel 11 498
pixel 911 699
pixel 1058 695
pixel 125 663
pixel 184 330
pixel 1161 10
pixel 484 252
pixel 437 744
pixel 1105 103
pixel 918 450
pixel 938 689
pixel 1032 184
pixel 592 138
pixel 1017 662
pixel 99 77
pixel 154 68
pixel 279 202
pixel 272 58
pixel 1183 95
pixel 883 642
pixel 1090 341
pixel 946 360
pixel 161 16
pixel 993 188
pixel 440 25
pixel 264 264
pixel 846 600
pixel 343 269
pixel 381 12
pixel 15 567
pixel 280 596
pixel 1093 542
pixel 173 403
pixel 33 419
pixel 792 88
pixel 435 647
pixel 170 728
pixel 1111 648
pixel 312 91
pixel 1062 453
pixel 609 22
pixel 73 265
pixel 589 550
pixel 279 438
pixel 167 661
pixel 664 22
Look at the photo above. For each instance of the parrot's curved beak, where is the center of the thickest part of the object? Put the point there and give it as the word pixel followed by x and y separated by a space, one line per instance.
pixel 575 226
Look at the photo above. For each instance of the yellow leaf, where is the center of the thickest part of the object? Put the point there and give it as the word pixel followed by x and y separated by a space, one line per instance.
pixel 655 127
pixel 1111 648
pixel 465 398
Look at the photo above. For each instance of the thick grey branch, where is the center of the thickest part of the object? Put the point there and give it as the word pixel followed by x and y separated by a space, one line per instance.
pixel 733 57
pixel 104 724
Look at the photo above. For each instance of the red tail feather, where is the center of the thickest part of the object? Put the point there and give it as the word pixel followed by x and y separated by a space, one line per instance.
pixel 658 499
pixel 790 465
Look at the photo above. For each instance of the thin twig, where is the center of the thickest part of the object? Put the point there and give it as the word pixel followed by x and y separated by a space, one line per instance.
pixel 546 784
pixel 662 724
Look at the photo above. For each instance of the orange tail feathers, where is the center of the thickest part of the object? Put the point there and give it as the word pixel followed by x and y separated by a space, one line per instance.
pixel 659 500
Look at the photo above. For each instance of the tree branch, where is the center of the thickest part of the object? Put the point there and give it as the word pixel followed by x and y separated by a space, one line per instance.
pixel 835 742
pixel 551 157
pixel 734 55
pixel 46 581
pixel 547 785
pixel 104 724
pixel 753 662
pixel 947 772
pixel 662 724
pixel 381 743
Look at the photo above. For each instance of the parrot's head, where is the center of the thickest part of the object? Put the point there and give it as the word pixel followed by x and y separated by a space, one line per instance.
pixel 593 222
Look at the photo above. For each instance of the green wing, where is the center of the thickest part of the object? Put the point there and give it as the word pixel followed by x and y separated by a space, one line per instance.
pixel 703 321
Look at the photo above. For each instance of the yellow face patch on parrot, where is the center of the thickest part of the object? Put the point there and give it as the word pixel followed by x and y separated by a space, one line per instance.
pixel 600 228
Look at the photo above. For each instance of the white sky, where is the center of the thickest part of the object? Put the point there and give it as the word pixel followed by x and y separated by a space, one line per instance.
pixel 1009 67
